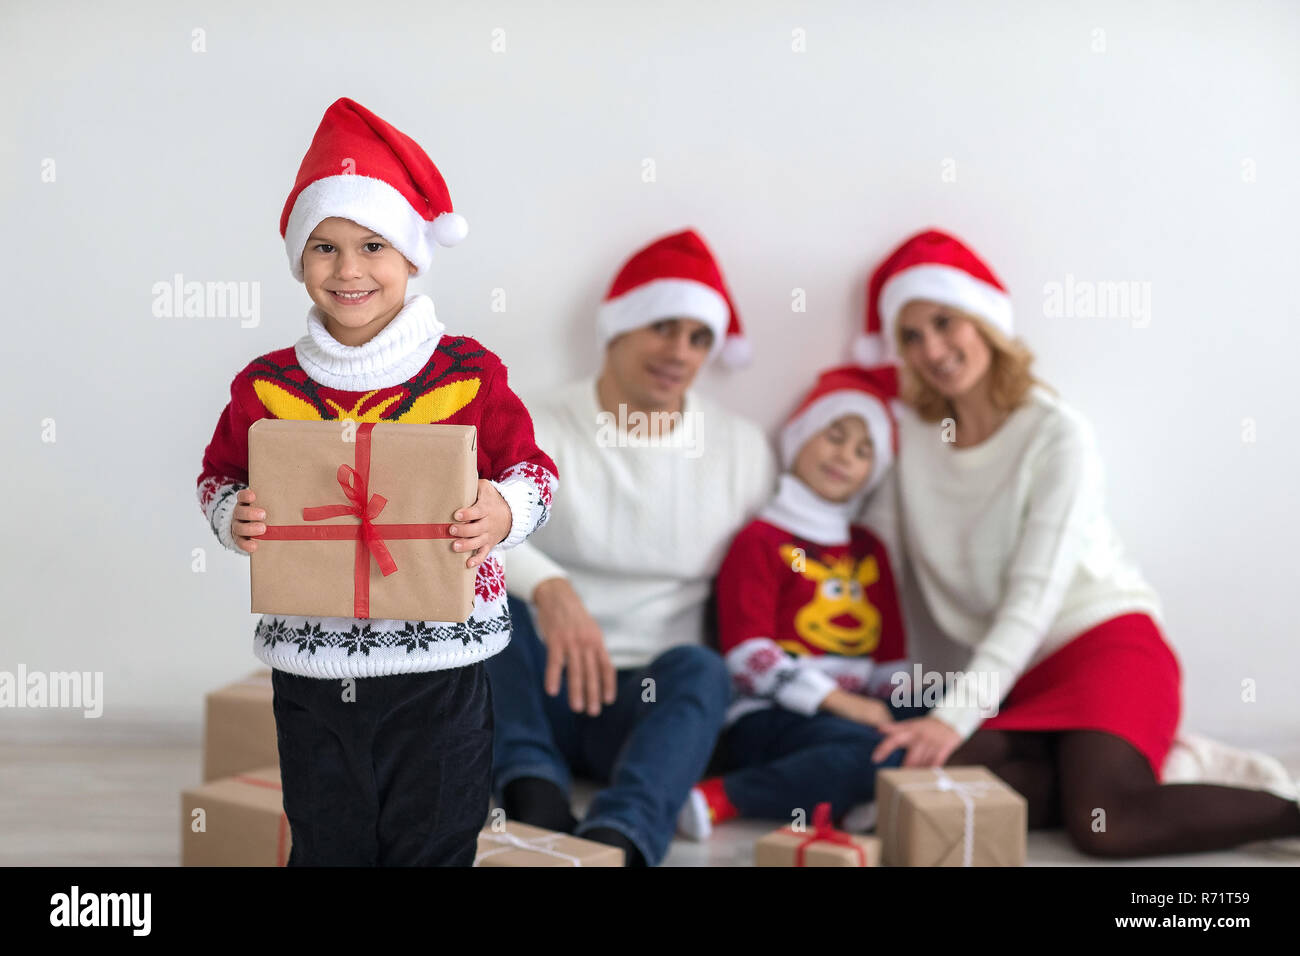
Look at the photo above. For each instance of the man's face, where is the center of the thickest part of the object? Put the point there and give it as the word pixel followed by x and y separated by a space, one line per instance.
pixel 657 363
pixel 341 257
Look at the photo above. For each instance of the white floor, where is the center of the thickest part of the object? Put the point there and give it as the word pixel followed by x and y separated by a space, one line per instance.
pixel 78 804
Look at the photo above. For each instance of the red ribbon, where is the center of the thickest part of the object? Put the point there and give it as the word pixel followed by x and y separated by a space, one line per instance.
pixel 281 859
pixel 824 832
pixel 369 536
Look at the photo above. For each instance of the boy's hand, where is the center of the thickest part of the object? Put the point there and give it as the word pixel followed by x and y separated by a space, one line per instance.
pixel 860 709
pixel 483 525
pixel 248 521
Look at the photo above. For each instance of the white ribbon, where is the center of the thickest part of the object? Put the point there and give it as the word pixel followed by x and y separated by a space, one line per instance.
pixel 541 844
pixel 964 791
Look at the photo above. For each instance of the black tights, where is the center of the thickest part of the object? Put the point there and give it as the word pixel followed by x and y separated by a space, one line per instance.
pixel 1101 789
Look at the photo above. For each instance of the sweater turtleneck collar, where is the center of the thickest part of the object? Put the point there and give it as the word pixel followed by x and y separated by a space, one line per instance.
pixel 798 509
pixel 392 357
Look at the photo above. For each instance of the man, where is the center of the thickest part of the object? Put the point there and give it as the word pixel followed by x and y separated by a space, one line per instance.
pixel 607 675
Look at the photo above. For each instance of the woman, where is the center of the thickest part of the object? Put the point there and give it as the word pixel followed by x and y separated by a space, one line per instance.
pixel 999 496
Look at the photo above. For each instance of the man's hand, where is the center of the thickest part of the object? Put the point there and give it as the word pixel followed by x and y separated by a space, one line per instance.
pixel 483 525
pixel 928 740
pixel 858 708
pixel 573 642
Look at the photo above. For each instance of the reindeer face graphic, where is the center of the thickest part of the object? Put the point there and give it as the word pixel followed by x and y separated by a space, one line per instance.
pixel 839 618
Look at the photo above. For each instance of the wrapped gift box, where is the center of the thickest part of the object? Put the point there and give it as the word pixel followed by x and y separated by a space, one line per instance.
pixel 324 555
pixel 517 844
pixel 239 727
pixel 243 819
pixel 949 816
pixel 819 845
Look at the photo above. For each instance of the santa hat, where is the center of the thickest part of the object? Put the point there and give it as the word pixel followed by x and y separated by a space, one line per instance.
pixel 931 265
pixel 674 277
pixel 847 390
pixel 359 167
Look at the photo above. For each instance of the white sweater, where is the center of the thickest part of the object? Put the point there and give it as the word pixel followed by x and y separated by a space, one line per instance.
pixel 641 531
pixel 1008 540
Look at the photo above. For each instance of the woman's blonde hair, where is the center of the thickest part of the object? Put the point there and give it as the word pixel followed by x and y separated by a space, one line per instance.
pixel 1010 382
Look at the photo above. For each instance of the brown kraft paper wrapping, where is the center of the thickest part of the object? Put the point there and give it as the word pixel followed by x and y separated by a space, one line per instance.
pixel 422 473
pixel 949 816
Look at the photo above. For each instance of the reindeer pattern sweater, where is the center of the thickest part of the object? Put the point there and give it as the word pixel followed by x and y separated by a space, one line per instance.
pixel 806 603
pixel 410 372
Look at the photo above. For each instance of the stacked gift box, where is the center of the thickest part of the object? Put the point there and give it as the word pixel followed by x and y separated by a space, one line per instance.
pixel 236 817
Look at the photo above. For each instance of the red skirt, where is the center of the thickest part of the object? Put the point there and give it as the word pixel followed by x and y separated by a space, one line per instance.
pixel 1120 676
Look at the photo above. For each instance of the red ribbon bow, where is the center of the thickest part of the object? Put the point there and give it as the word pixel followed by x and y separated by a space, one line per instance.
pixel 824 832
pixel 369 536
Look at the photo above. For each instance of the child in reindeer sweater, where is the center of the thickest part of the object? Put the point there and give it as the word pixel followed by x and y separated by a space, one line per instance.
pixel 809 620
pixel 384 727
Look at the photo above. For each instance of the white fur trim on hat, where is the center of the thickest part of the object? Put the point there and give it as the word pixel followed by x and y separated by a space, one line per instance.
pixel 869 350
pixel 449 228
pixel 665 299
pixel 836 405
pixel 737 351
pixel 368 202
pixel 947 285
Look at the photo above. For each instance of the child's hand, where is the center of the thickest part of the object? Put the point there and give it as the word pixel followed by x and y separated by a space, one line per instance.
pixel 248 521
pixel 855 707
pixel 483 525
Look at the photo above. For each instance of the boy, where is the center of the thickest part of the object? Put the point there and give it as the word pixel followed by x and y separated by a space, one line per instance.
pixel 384 727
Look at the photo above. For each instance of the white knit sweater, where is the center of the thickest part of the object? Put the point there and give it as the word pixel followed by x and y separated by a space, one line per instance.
pixel 1008 540
pixel 641 531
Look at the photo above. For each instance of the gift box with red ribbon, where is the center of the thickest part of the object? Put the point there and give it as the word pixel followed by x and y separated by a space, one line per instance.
pixel 236 821
pixel 822 845
pixel 358 519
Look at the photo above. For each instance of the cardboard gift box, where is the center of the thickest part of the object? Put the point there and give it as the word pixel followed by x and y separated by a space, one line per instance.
pixel 950 816
pixel 518 844
pixel 243 821
pixel 821 845
pixel 357 519
pixel 239 727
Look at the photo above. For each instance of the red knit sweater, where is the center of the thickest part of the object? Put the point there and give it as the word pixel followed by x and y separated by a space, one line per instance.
pixel 462 383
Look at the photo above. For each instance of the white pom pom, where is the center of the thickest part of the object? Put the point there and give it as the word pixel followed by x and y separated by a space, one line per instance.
pixel 737 351
pixel 449 228
pixel 869 350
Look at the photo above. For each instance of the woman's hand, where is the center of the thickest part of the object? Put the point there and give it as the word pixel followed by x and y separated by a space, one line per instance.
pixel 483 525
pixel 858 708
pixel 928 740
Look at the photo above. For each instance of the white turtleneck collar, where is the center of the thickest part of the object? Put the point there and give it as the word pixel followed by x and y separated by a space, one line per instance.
pixel 390 358
pixel 801 511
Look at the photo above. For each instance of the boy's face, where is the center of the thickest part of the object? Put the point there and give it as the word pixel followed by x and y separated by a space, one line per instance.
pixel 837 461
pixel 342 256
pixel 656 363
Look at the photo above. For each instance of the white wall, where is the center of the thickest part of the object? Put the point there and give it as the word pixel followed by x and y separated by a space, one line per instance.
pixel 801 169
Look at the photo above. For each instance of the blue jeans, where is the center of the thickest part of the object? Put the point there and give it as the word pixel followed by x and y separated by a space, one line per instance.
pixel 648 752
pixel 779 761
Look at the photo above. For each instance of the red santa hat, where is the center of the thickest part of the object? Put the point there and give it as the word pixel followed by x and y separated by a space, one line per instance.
pixel 848 390
pixel 931 265
pixel 675 277
pixel 361 168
